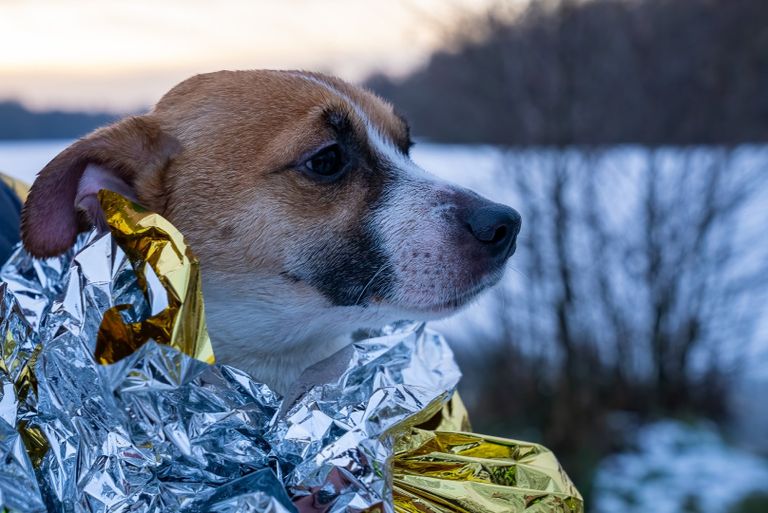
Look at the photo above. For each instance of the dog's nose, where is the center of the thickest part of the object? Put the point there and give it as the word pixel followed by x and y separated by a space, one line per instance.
pixel 496 226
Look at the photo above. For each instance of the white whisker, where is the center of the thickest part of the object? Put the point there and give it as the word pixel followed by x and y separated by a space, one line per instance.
pixel 370 282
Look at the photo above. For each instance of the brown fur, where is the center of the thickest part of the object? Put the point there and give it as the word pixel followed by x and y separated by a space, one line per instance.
pixel 206 151
pixel 135 148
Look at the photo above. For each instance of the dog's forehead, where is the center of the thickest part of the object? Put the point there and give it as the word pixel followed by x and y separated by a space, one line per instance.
pixel 372 108
pixel 275 98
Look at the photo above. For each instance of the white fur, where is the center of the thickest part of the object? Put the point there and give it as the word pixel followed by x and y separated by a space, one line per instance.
pixel 263 327
pixel 276 335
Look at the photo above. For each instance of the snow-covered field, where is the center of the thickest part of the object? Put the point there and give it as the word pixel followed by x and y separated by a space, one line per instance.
pixel 470 166
pixel 676 467
pixel 23 159
pixel 672 462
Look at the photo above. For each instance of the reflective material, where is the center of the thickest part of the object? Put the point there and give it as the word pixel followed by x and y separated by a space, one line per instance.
pixel 110 403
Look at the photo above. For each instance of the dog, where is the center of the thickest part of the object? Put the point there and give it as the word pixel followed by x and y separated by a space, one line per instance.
pixel 297 193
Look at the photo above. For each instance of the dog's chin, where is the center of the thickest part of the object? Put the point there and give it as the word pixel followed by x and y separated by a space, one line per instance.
pixel 449 303
pixel 442 308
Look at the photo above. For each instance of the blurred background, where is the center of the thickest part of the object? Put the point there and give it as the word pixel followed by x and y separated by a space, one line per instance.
pixel 631 332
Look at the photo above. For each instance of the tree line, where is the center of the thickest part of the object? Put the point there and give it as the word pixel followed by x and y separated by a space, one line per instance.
pixel 18 122
pixel 562 72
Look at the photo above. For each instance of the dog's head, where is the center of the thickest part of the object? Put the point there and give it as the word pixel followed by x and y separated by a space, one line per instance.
pixel 297 193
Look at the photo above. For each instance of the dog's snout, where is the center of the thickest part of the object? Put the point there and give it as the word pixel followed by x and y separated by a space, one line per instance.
pixel 495 226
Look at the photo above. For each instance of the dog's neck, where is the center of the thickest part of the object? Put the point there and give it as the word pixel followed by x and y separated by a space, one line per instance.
pixel 279 370
pixel 255 328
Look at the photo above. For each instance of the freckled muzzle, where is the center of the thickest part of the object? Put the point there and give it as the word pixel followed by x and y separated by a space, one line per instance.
pixel 422 246
pixel 480 237
pixel 444 244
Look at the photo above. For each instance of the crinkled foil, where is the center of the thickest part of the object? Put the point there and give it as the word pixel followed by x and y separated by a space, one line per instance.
pixel 110 403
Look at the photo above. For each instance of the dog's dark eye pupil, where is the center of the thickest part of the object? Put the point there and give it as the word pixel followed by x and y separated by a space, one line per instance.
pixel 326 162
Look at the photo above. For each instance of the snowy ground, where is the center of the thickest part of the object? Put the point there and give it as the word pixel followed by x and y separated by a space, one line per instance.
pixel 672 462
pixel 679 468
pixel 23 159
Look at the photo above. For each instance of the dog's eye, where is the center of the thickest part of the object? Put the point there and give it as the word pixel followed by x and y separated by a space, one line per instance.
pixel 326 163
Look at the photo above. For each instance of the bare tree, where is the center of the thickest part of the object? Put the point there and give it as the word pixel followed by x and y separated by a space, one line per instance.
pixel 640 285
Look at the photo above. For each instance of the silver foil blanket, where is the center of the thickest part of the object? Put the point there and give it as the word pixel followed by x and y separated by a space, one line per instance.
pixel 162 431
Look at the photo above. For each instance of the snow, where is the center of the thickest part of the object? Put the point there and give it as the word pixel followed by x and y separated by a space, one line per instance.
pixel 674 462
pixel 24 159
pixel 678 467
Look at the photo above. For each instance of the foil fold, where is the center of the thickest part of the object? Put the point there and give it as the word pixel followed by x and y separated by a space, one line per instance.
pixel 111 403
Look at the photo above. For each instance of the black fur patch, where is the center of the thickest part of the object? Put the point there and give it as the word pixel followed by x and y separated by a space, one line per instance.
pixel 352 268
pixel 352 271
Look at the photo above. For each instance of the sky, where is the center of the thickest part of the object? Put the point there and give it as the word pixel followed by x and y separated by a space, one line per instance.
pixel 123 55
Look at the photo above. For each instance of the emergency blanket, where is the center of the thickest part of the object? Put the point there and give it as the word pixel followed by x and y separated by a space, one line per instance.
pixel 110 401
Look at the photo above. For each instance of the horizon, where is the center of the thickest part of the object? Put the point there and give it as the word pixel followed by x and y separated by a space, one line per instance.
pixel 119 58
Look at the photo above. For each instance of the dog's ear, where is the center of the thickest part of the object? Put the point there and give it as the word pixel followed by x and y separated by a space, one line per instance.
pixel 128 157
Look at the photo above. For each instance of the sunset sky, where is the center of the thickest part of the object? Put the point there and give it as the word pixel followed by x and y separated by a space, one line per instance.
pixel 122 55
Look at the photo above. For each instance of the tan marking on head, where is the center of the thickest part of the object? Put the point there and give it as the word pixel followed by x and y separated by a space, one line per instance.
pixel 231 191
pixel 379 111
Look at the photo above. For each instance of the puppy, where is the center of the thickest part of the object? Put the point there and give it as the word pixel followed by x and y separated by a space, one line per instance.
pixel 297 193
